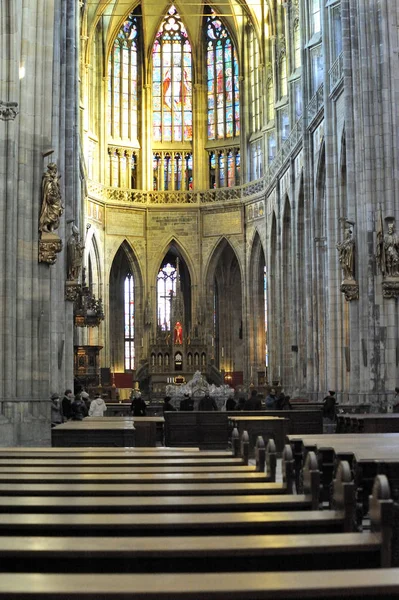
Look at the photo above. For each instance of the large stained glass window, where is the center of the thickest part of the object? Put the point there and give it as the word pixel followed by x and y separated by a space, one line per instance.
pixel 166 290
pixel 172 82
pixel 122 82
pixel 129 322
pixel 255 84
pixel 222 79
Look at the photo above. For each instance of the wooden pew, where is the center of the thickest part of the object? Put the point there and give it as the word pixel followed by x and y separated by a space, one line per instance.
pixel 186 523
pixel 75 504
pixel 191 553
pixel 350 584
pixel 141 554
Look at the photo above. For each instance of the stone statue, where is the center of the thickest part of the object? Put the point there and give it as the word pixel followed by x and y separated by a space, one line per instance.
pixel 346 251
pixel 391 251
pixel 75 250
pixel 52 208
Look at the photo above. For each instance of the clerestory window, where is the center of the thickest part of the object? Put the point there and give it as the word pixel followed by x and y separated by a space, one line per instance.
pixel 172 82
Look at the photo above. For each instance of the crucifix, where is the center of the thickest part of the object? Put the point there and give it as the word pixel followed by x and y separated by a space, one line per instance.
pixel 170 298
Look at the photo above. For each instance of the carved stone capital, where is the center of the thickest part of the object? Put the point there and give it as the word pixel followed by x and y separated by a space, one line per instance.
pixel 390 287
pixel 8 110
pixel 350 289
pixel 50 244
pixel 72 290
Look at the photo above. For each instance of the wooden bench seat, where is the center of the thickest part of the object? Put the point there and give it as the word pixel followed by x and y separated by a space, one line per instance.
pixel 188 554
pixel 65 477
pixel 350 584
pixel 208 524
pixel 143 489
pixel 134 462
pixel 112 468
pixel 41 504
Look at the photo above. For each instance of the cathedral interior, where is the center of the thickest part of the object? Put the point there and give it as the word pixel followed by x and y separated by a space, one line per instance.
pixel 197 186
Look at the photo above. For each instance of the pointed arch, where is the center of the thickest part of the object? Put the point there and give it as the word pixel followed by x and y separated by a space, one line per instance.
pixel 94 270
pixel 274 301
pixel 287 298
pixel 225 304
pixel 165 278
pixel 126 308
pixel 258 307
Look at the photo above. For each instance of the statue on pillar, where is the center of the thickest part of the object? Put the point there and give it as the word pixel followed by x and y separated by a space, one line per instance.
pixel 50 243
pixel 52 208
pixel 346 252
pixel 387 253
pixel 75 250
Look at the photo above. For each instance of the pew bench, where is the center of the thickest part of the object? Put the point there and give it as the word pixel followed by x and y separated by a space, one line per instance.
pixel 187 554
pixel 162 524
pixel 75 504
pixel 350 584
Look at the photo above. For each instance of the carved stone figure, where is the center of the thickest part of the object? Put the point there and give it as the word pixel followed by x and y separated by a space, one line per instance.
pixel 391 251
pixel 346 250
pixel 75 250
pixel 178 333
pixel 52 208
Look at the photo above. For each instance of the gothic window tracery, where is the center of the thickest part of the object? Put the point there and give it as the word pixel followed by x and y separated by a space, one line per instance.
pixel 222 81
pixel 172 81
pixel 129 322
pixel 123 81
pixel 166 289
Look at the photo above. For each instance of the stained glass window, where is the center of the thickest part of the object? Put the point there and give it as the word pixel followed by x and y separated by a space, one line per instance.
pixel 172 82
pixel 254 73
pixel 166 289
pixel 222 81
pixel 129 322
pixel 123 81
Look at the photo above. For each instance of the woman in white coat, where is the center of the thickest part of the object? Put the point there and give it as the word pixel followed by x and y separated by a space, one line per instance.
pixel 97 407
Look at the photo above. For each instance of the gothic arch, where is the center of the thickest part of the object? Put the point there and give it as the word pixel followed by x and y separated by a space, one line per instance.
pixel 224 293
pixel 183 255
pixel 124 263
pixel 171 251
pixel 214 257
pixel 93 267
pixel 287 297
pixel 256 317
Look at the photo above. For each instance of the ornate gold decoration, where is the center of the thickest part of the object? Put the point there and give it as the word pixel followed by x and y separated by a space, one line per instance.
pixel 350 289
pixel 50 245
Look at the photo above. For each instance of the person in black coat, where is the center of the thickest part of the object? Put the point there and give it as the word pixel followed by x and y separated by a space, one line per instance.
pixel 79 408
pixel 207 403
pixel 253 402
pixel 187 403
pixel 167 405
pixel 67 405
pixel 138 407
pixel 230 403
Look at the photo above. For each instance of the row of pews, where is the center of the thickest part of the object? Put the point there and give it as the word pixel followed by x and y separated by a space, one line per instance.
pixel 150 523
